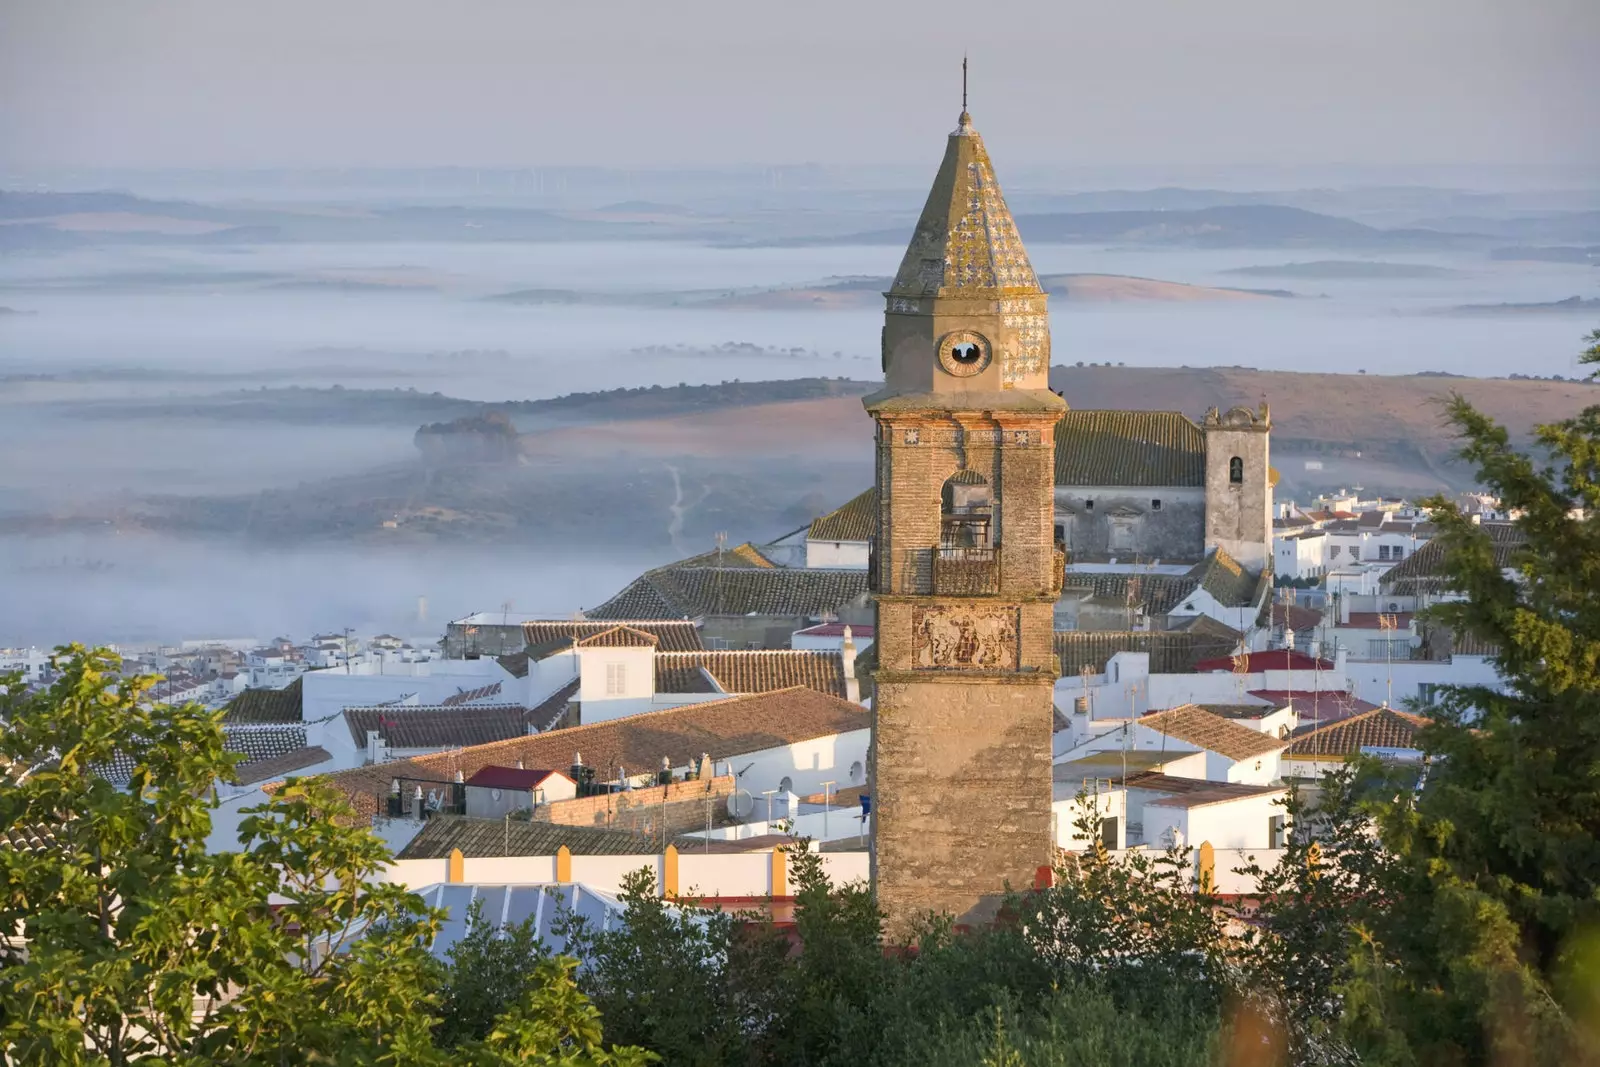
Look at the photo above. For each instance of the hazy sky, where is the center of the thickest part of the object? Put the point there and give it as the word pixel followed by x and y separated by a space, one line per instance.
pixel 622 82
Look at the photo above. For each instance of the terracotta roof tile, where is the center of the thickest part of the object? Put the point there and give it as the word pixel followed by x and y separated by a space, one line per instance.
pixel 1423 570
pixel 682 590
pixel 673 634
pixel 752 671
pixel 620 637
pixel 1157 594
pixel 1156 448
pixel 468 696
pixel 856 520
pixel 722 728
pixel 1226 579
pixel 438 726
pixel 266 705
pixel 263 770
pixel 1170 652
pixel 1199 727
pixel 1379 728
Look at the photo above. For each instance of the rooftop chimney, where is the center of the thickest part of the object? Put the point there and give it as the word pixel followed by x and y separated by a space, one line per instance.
pixel 847 658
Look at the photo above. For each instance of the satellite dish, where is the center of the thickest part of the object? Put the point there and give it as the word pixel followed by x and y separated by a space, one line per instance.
pixel 741 804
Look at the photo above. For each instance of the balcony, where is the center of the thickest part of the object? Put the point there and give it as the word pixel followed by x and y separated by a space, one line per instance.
pixel 966 571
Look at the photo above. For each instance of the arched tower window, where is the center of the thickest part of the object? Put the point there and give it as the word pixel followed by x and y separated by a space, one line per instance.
pixel 966 512
pixel 1236 470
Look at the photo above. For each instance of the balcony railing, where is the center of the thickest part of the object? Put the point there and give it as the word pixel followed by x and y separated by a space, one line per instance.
pixel 960 571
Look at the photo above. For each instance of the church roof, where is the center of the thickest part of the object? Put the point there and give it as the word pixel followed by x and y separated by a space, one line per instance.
pixel 856 520
pixel 965 240
pixel 1156 448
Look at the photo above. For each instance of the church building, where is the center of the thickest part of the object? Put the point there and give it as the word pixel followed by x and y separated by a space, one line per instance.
pixel 965 567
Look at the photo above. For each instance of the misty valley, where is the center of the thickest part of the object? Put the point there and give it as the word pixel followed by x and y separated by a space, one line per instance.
pixel 218 418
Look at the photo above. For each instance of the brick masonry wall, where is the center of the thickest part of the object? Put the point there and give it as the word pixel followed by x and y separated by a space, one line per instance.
pixel 961 795
pixel 682 805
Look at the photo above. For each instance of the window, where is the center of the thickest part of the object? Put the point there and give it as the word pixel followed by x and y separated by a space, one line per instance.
pixel 1088 505
pixel 616 679
pixel 1155 505
pixel 787 785
pixel 1275 832
pixel 1426 691
pixel 1383 551
pixel 1061 533
pixel 857 773
pixel 1236 470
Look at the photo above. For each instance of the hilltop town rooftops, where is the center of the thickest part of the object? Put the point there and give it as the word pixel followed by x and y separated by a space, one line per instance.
pixel 1378 728
pixel 1256 662
pixel 1196 726
pixel 749 671
pixel 672 635
pixel 495 777
pixel 692 589
pixel 855 520
pixel 439 726
pixel 1423 570
pixel 837 629
pixel 1129 448
pixel 1219 793
pixel 477 838
pixel 1170 652
pixel 634 744
pixel 1374 620
pixel 266 705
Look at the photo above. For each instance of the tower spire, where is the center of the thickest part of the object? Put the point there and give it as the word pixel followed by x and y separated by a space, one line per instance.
pixel 963 83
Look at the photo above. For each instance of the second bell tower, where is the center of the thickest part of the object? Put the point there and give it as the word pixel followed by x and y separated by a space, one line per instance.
pixel 965 568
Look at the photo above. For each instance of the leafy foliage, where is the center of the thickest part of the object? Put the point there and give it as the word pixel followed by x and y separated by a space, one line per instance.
pixel 138 947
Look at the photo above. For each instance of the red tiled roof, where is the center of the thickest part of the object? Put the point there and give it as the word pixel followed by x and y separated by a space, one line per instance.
pixel 730 726
pixel 1201 728
pixel 1276 660
pixel 1320 706
pixel 493 777
pixel 1379 728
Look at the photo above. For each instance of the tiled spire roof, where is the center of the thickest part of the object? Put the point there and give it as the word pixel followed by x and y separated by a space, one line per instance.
pixel 965 241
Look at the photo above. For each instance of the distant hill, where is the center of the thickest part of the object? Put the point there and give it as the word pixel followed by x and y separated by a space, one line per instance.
pixel 1570 305
pixel 867 292
pixel 649 467
pixel 1224 226
pixel 1340 269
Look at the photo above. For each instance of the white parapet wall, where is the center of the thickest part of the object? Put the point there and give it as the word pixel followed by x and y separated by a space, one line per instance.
pixel 739 874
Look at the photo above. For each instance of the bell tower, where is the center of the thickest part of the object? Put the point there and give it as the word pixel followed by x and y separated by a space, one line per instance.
pixel 965 568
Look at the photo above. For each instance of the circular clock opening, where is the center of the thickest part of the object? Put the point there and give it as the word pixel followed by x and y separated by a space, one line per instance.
pixel 966 353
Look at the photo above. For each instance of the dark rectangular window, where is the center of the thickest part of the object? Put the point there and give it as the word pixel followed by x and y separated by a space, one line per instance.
pixel 1155 505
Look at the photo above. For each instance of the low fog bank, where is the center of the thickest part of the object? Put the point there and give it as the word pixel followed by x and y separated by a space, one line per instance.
pixel 98 589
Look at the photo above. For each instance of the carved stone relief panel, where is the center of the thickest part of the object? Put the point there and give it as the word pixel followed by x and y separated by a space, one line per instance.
pixel 965 637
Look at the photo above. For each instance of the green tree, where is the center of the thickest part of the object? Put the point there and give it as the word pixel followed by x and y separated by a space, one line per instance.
pixel 137 946
pixel 1497 875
